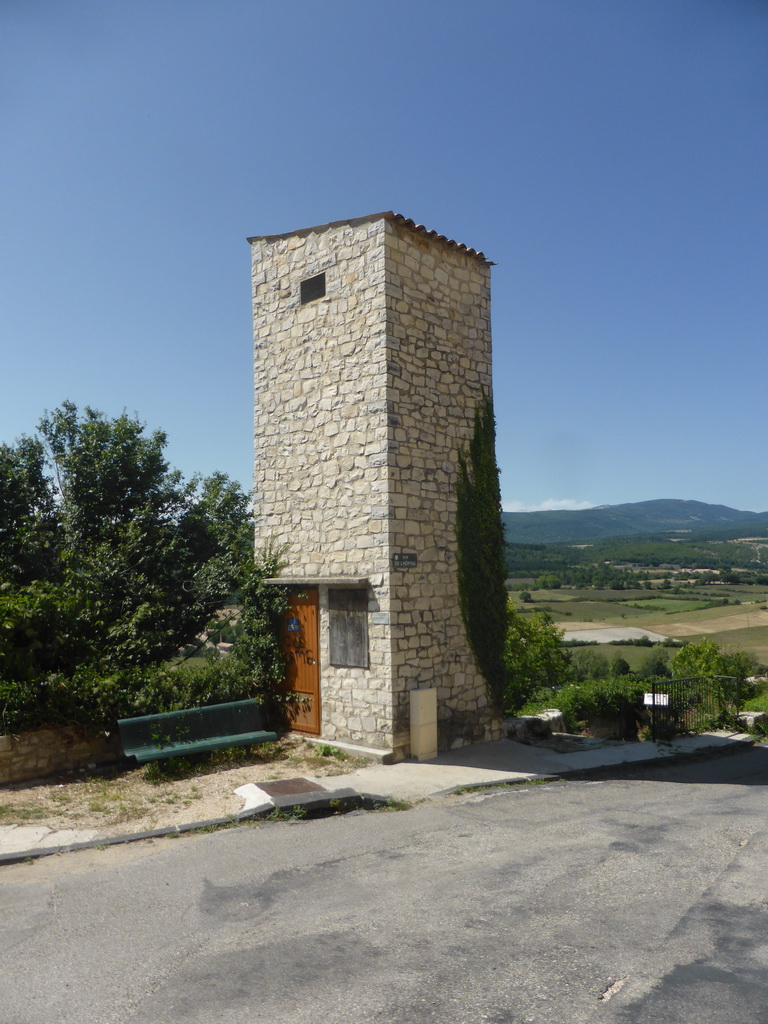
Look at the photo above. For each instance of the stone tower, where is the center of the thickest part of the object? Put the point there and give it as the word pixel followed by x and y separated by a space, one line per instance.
pixel 372 349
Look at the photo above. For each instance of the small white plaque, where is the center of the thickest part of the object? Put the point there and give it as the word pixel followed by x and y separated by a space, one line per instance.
pixel 661 699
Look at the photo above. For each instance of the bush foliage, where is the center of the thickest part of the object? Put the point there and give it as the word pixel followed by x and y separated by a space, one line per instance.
pixel 534 657
pixel 616 697
pixel 94 699
pixel 109 563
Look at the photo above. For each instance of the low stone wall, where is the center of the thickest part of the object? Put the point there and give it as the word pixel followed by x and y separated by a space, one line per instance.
pixel 35 755
pixel 616 727
pixel 753 720
pixel 533 728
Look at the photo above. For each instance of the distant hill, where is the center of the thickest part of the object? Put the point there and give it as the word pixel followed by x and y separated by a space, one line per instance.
pixel 629 520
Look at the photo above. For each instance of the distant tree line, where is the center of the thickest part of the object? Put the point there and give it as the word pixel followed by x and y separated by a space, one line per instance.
pixel 609 564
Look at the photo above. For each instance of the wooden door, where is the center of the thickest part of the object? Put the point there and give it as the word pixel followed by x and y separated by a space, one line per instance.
pixel 301 643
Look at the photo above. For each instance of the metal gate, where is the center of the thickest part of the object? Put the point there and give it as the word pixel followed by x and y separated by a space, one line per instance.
pixel 679 706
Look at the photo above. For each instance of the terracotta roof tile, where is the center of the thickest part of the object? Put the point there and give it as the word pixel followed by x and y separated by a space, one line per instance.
pixel 394 218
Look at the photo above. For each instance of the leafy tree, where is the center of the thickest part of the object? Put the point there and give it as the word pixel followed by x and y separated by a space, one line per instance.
pixel 741 664
pixel 620 667
pixel 480 552
pixel 707 658
pixel 533 656
pixel 27 512
pixel 549 581
pixel 589 663
pixel 30 618
pixel 259 644
pixel 656 665
pixel 94 698
pixel 703 658
pixel 114 560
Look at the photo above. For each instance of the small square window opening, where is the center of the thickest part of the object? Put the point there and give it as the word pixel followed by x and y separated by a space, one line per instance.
pixel 312 288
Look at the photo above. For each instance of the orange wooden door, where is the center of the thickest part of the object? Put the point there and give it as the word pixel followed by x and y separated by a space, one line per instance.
pixel 301 642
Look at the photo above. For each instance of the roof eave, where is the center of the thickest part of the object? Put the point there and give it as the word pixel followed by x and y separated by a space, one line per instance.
pixel 393 218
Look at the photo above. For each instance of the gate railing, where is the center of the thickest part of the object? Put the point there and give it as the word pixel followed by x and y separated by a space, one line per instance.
pixel 697 704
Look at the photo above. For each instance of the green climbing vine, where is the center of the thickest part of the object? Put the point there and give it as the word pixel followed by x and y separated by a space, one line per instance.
pixel 480 555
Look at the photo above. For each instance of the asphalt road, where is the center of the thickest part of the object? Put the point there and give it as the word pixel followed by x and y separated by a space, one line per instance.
pixel 640 898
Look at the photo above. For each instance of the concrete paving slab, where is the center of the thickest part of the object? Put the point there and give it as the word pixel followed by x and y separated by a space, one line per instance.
pixel 68 836
pixel 504 762
pixel 19 838
pixel 705 741
pixel 508 754
pixel 254 799
pixel 309 793
pixel 419 780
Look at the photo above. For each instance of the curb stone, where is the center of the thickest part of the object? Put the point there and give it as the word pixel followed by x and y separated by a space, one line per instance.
pixel 313 804
pixel 686 757
pixel 316 803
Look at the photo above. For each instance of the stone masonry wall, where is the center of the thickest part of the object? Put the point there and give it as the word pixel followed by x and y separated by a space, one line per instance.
pixel 321 443
pixel 36 755
pixel 439 341
pixel 362 400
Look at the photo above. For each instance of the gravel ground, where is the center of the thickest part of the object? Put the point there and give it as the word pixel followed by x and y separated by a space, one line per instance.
pixel 121 801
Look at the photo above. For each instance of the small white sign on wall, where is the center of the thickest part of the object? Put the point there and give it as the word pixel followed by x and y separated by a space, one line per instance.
pixel 661 698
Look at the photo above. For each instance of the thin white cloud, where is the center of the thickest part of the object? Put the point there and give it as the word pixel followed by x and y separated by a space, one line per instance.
pixel 550 505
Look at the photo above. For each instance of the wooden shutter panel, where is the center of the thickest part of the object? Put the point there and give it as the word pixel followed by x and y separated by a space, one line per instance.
pixel 348 627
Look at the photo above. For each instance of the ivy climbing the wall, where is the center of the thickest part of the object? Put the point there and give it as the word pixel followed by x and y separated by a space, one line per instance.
pixel 480 555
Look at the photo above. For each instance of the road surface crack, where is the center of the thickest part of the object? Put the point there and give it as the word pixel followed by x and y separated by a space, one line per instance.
pixel 612 990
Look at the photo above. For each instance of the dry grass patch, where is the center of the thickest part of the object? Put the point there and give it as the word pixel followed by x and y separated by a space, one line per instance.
pixel 173 792
pixel 727 619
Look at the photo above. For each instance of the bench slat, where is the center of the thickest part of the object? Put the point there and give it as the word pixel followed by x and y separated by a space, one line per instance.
pixel 194 730
pixel 144 754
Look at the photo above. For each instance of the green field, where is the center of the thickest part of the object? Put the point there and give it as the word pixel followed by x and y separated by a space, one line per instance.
pixel 753 639
pixel 634 656
pixel 597 611
pixel 669 605
pixel 688 616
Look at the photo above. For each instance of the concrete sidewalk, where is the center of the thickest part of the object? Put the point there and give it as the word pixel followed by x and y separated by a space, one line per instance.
pixel 504 762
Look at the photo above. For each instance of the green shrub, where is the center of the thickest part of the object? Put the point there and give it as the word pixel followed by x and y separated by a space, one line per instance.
pixel 590 663
pixel 534 658
pixel 94 698
pixel 617 697
pixel 95 702
pixel 758 703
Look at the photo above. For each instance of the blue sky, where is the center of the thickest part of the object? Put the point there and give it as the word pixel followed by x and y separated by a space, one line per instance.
pixel 611 156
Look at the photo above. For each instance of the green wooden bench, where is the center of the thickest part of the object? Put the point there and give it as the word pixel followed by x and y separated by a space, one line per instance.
pixel 193 731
